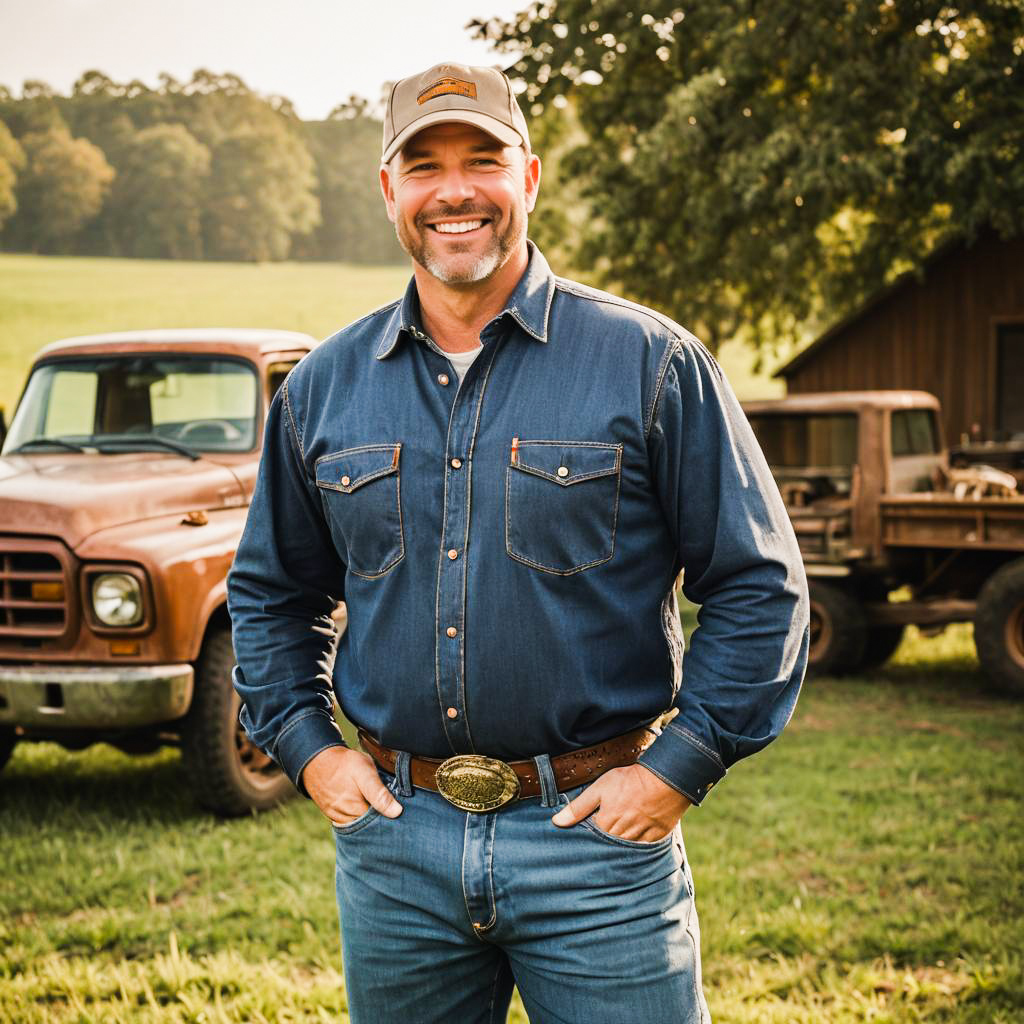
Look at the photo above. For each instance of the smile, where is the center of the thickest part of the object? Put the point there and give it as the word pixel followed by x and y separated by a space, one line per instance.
pixel 458 227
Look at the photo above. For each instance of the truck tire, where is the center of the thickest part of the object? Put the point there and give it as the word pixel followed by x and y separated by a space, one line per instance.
pixel 7 741
pixel 999 628
pixel 838 631
pixel 880 645
pixel 228 773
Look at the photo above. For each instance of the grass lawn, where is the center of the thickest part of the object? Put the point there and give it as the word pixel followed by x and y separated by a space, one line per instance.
pixel 43 298
pixel 865 867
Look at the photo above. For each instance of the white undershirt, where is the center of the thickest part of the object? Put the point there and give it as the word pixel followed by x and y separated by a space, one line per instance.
pixel 462 361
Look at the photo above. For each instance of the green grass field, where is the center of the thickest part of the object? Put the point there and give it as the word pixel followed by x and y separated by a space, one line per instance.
pixel 43 298
pixel 865 867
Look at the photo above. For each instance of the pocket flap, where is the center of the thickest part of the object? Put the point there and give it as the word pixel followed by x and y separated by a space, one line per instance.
pixel 566 462
pixel 348 470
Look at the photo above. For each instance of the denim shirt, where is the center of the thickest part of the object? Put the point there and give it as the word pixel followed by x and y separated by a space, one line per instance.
pixel 507 547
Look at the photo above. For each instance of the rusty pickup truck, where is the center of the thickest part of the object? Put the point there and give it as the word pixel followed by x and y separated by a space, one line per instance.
pixel 878 509
pixel 125 479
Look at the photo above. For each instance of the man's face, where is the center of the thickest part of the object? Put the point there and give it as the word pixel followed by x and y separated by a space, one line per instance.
pixel 459 201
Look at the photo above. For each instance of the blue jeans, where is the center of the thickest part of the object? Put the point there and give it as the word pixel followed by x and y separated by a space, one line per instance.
pixel 443 911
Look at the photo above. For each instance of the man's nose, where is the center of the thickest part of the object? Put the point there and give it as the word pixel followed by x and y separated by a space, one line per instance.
pixel 455 187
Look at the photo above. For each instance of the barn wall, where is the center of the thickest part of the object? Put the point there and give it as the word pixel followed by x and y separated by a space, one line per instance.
pixel 937 334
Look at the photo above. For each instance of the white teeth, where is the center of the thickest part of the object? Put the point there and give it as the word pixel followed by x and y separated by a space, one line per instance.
pixel 458 227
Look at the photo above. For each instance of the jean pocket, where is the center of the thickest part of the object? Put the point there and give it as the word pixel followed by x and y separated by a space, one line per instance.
pixel 361 492
pixel 562 504
pixel 371 814
pixel 589 825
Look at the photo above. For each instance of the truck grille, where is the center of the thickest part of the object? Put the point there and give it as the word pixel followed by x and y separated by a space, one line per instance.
pixel 35 588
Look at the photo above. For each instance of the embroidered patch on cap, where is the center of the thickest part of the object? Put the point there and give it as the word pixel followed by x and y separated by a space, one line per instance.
pixel 448 87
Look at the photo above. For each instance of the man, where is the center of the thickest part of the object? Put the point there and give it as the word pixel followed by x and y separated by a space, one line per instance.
pixel 503 475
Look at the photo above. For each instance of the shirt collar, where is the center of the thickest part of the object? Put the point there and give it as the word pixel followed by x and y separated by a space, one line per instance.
pixel 529 305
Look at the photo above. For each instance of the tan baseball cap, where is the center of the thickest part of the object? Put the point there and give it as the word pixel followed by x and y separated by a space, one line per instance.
pixel 453 92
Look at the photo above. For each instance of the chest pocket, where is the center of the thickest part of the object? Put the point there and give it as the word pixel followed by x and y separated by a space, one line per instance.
pixel 562 504
pixel 361 492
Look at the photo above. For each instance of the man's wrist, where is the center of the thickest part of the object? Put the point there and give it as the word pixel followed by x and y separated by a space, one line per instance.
pixel 681 761
pixel 302 738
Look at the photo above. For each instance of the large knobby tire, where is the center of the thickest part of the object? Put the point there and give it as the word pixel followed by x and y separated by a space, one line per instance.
pixel 999 628
pixel 229 774
pixel 838 631
pixel 7 742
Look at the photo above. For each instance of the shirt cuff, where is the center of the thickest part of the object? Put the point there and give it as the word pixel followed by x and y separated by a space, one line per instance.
pixel 302 739
pixel 680 759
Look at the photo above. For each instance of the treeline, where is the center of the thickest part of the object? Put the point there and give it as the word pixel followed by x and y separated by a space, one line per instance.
pixel 205 169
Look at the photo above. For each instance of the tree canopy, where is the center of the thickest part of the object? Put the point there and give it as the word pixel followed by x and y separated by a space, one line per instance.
pixel 201 169
pixel 761 168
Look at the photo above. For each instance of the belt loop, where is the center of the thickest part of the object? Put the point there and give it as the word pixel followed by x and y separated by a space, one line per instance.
pixel 548 785
pixel 404 783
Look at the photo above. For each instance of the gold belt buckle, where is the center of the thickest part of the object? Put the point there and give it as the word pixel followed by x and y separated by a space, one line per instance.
pixel 473 782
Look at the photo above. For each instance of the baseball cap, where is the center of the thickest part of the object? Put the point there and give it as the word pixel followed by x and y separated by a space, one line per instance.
pixel 453 92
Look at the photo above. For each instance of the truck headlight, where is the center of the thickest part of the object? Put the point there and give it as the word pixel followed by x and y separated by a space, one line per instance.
pixel 117 599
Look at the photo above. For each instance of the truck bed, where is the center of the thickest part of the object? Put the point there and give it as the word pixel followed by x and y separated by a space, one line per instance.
pixel 941 521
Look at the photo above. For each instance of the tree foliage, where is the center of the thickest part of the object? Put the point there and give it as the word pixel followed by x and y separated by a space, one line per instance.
pixel 12 160
pixel 62 187
pixel 773 164
pixel 205 168
pixel 158 196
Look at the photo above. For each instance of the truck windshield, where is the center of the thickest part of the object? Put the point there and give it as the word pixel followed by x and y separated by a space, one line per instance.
pixel 204 403
pixel 807 440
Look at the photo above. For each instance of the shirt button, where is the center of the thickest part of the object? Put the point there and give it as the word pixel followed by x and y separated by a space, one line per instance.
pixel 452 713
pixel 453 554
pixel 345 481
pixel 452 631
pixel 562 471
pixel 442 379
pixel 456 463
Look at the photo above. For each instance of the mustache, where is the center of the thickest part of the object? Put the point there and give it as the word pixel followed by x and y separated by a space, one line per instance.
pixel 467 211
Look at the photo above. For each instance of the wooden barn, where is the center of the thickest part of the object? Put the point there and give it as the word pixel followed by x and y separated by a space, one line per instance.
pixel 957 332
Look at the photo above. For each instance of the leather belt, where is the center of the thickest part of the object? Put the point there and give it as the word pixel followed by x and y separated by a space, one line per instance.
pixel 474 782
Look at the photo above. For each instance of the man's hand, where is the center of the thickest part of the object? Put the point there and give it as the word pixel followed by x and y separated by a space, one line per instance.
pixel 344 784
pixel 634 802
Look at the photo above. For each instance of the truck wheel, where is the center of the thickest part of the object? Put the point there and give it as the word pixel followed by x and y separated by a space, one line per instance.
pixel 999 628
pixel 229 774
pixel 880 645
pixel 7 741
pixel 838 631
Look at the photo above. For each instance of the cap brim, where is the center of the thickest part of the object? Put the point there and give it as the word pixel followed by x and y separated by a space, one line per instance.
pixel 502 132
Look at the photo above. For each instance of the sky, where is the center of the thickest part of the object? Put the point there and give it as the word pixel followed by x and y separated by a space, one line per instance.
pixel 314 52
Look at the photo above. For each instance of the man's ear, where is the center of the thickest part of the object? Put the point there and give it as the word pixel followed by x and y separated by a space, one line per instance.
pixel 387 191
pixel 532 172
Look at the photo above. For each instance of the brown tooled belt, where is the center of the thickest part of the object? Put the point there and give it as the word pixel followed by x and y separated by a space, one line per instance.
pixel 474 782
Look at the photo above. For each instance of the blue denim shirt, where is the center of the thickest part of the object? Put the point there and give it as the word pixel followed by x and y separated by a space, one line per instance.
pixel 508 547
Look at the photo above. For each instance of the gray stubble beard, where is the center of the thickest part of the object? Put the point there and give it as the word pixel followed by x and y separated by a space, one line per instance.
pixel 490 260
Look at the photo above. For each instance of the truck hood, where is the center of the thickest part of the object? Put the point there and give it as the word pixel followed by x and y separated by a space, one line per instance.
pixel 71 495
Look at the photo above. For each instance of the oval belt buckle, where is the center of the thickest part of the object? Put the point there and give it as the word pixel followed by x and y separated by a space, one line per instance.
pixel 473 782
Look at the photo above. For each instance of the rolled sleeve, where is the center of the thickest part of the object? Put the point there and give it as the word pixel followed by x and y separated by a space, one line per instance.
pixel 285 582
pixel 742 673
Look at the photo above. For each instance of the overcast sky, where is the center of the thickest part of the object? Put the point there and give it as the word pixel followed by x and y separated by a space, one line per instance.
pixel 315 52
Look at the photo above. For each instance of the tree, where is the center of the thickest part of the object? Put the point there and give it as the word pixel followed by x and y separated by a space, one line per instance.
pixel 260 194
pixel 354 226
pixel 12 160
pixel 773 164
pixel 157 199
pixel 61 189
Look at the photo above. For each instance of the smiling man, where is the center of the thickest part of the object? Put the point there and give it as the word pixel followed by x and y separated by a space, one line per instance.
pixel 503 475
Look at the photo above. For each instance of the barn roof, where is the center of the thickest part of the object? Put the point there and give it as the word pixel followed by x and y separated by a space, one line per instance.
pixel 903 281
